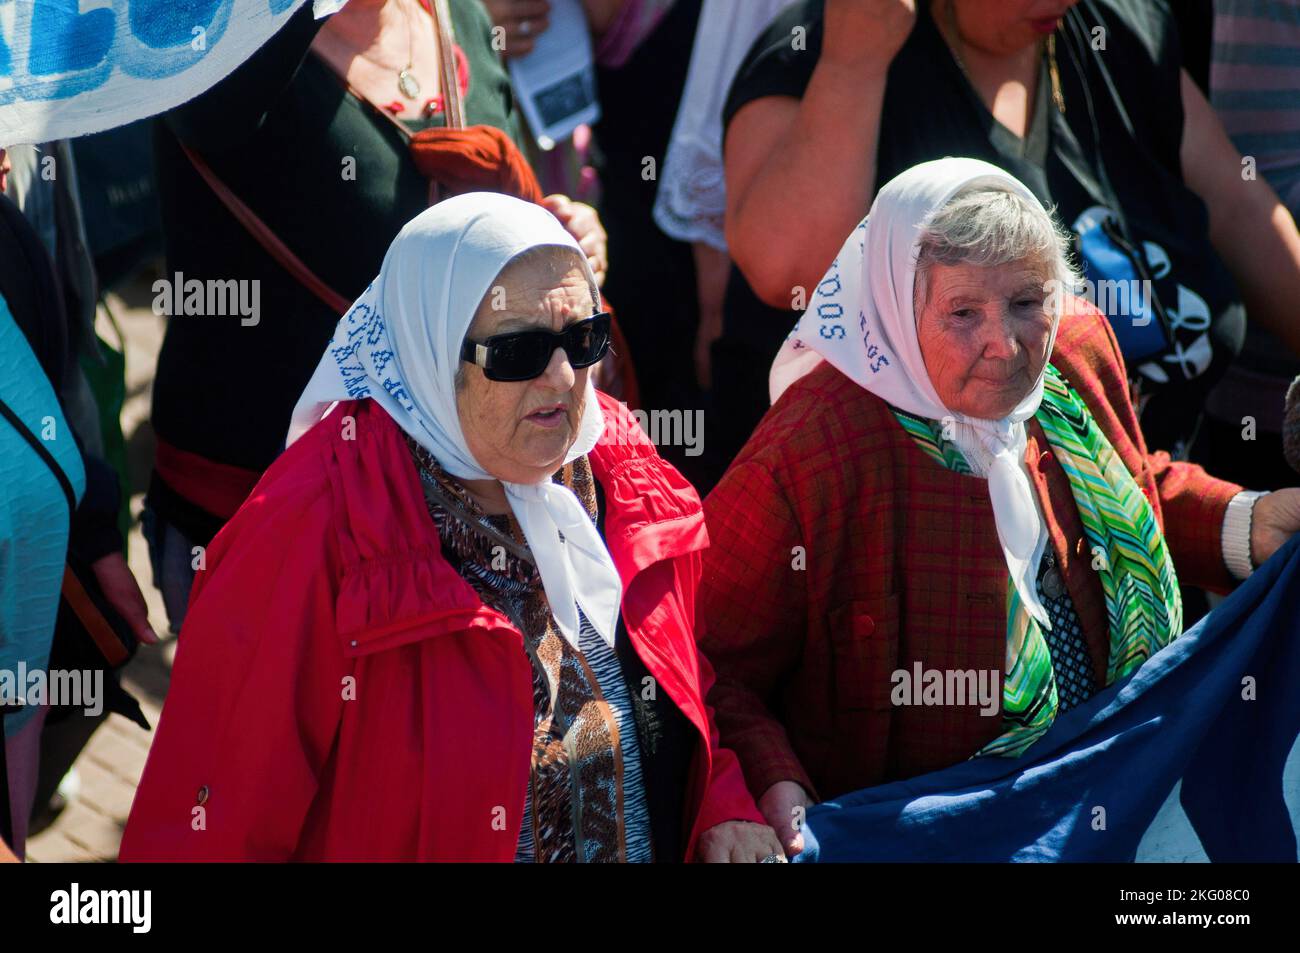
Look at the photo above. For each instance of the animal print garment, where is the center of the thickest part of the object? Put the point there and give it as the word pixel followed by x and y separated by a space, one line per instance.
pixel 576 797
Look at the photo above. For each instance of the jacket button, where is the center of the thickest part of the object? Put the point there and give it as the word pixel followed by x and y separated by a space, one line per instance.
pixel 202 796
pixel 354 643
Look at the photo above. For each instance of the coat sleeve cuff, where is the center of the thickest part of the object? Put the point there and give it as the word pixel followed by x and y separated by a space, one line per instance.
pixel 1237 523
pixel 727 799
pixel 1194 504
pixel 767 757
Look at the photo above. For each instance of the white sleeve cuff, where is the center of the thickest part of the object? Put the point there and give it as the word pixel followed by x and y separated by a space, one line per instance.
pixel 1236 533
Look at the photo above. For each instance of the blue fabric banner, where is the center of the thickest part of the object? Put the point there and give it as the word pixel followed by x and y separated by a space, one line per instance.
pixel 67 71
pixel 1218 708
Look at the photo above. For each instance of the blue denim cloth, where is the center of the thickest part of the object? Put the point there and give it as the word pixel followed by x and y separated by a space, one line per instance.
pixel 171 556
pixel 1088 790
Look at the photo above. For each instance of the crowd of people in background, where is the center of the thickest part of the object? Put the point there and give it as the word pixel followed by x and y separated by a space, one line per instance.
pixel 703 251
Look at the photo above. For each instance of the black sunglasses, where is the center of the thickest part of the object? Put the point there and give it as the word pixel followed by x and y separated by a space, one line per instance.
pixel 523 355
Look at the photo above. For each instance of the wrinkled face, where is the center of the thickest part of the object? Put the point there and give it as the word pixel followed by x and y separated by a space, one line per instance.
pixel 1002 27
pixel 983 334
pixel 520 431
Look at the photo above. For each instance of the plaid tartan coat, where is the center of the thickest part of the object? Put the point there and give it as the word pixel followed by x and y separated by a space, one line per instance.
pixel 841 552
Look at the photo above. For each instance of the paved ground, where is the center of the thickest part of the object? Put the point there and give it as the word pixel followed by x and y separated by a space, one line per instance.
pixel 90 829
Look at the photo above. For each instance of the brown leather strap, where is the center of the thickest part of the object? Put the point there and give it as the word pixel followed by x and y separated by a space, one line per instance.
pixel 110 646
pixel 453 108
pixel 269 241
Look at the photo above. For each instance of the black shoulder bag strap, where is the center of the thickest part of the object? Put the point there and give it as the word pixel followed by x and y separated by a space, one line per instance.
pixel 46 457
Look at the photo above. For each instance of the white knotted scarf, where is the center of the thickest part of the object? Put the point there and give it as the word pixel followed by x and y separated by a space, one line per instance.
pixel 862 322
pixel 399 345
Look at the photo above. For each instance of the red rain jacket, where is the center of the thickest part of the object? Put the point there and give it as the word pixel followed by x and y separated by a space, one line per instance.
pixel 341 693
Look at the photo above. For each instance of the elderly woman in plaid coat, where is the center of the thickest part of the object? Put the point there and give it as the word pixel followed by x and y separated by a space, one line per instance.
pixel 951 482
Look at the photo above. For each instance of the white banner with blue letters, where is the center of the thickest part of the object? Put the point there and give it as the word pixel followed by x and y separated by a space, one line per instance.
pixel 73 67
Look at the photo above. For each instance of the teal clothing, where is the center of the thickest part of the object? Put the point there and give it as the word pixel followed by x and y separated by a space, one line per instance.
pixel 34 518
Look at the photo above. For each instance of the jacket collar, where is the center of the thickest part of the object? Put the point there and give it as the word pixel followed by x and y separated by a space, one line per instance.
pixel 397 587
pixel 652 512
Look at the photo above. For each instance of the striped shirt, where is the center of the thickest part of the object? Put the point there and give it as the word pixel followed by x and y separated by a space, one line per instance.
pixel 1255 86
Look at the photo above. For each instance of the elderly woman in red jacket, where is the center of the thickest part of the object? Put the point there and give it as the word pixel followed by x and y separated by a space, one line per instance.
pixel 454 621
pixel 947 528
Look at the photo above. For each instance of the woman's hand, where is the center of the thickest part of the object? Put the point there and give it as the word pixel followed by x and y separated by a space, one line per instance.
pixel 583 223
pixel 123 592
pixel 523 20
pixel 1275 519
pixel 784 805
pixel 866 32
pixel 737 842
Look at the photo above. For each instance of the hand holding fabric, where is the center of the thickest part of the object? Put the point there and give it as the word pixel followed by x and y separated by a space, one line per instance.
pixel 784 805
pixel 1275 520
pixel 737 842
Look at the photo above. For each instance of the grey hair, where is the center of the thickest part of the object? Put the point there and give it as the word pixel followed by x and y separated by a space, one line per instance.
pixel 987 226
pixel 554 260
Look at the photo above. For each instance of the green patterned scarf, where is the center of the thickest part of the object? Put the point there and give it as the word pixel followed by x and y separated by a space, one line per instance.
pixel 1143 607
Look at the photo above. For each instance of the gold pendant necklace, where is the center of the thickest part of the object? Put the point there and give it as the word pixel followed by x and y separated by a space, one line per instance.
pixel 1057 98
pixel 1052 71
pixel 407 84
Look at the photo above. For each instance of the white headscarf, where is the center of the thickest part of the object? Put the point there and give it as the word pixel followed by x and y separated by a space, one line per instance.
pixel 399 345
pixel 862 322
